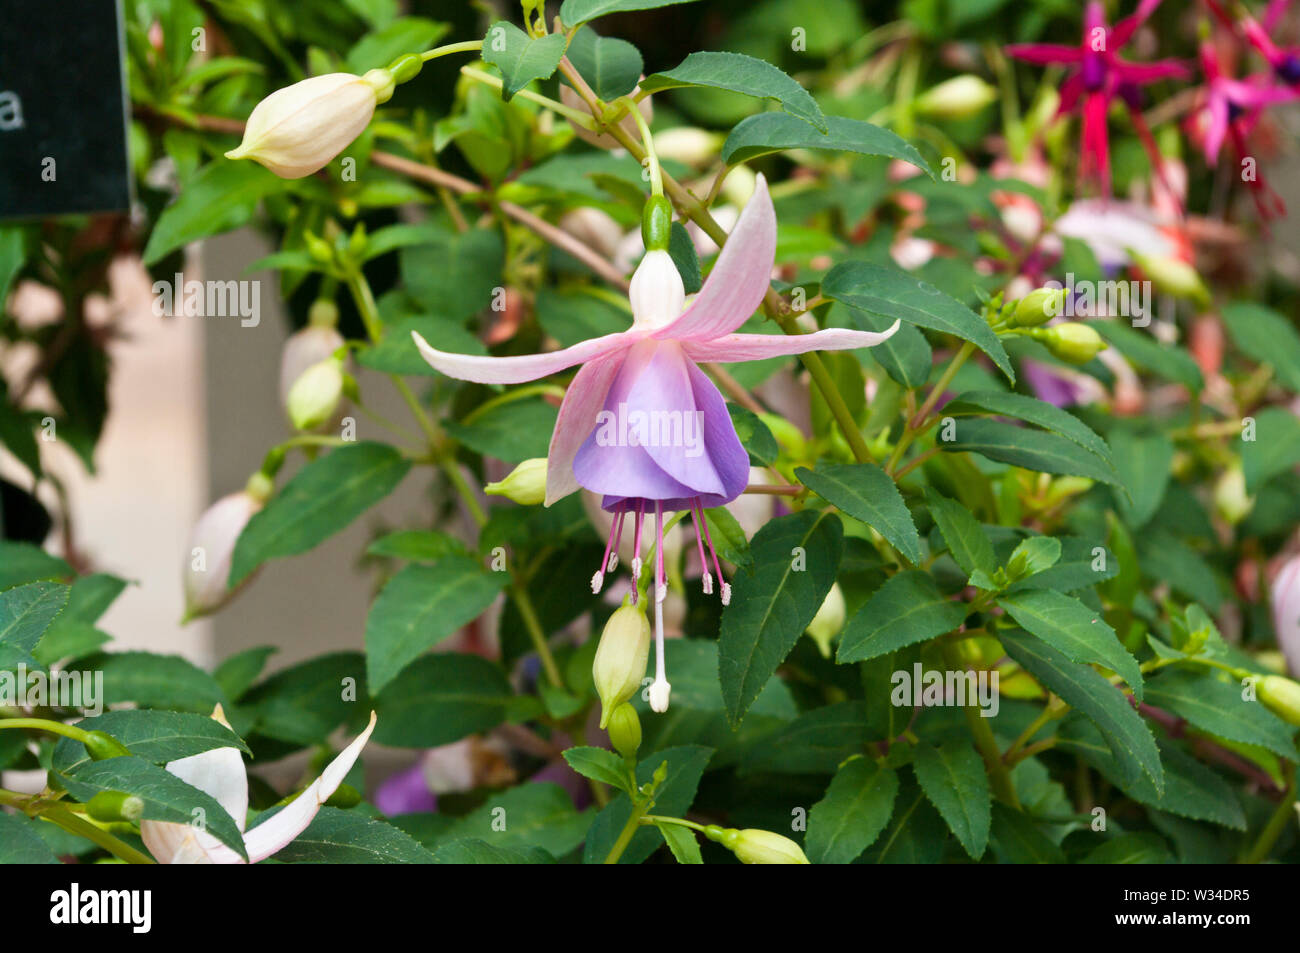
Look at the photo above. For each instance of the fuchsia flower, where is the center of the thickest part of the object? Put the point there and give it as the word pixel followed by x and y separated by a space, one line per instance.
pixel 1098 75
pixel 641 424
pixel 1285 63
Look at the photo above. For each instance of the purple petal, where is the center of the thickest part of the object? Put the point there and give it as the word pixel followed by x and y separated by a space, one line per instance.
pixel 582 402
pixel 406 792
pixel 739 279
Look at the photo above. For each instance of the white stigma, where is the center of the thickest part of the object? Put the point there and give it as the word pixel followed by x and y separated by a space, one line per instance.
pixel 659 689
pixel 659 693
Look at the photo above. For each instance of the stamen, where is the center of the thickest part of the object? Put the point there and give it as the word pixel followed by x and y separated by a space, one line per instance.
pixel 636 549
pixel 661 579
pixel 726 586
pixel 659 689
pixel 697 517
pixel 615 528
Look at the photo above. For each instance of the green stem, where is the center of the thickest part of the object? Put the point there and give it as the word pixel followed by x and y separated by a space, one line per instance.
pixel 469 46
pixel 660 819
pixel 526 612
pixel 647 143
pixel 627 833
pixel 982 732
pixel 42 724
pixel 574 115
pixel 62 817
pixel 918 424
pixel 1274 828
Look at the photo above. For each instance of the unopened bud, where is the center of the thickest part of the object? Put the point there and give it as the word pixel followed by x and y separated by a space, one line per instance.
pixel 1230 498
pixel 1038 307
pixel 825 626
pixel 526 483
pixel 296 130
pixel 308 347
pixel 212 545
pixel 1072 342
pixel 1281 696
pixel 656 223
pixel 315 395
pixel 101 746
pixel 688 144
pixel 956 98
pixel 1175 277
pixel 625 730
pixel 621 659
pixel 112 806
pixel 753 846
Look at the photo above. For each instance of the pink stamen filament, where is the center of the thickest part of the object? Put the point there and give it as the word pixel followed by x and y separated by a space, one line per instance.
pixel 697 517
pixel 615 533
pixel 636 548
pixel 726 587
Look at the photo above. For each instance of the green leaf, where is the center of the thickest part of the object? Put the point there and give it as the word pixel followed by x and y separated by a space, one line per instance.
pixel 473 851
pixel 304 703
pixel 1031 449
pixel 1216 706
pixel 867 493
pixel 12 256
pixel 1171 363
pixel 520 57
pixel 379 48
pixel 157 736
pixel 905 355
pixel 610 66
pixel 773 132
pixel 1166 558
pixel 856 808
pixel 454 277
pixel 155 681
pixel 222 196
pixel 421 606
pixel 599 764
pixel 27 611
pixel 1075 570
pixel 739 73
pixel 728 537
pixel 916 835
pixel 22 562
pixel 513 432
pixel 952 777
pixel 815 742
pixel 681 841
pixel 1032 410
pixel 237 673
pixel 1144 464
pixel 417 545
pixel 1131 849
pixel 1128 736
pixel 969 545
pixel 1275 448
pixel 165 796
pixel 673 798
pixel 1017 839
pixel 1069 626
pixel 321 499
pixel 1258 332
pixel 68 641
pixel 907 609
pixel 754 436
pixel 795 558
pixel 537 814
pixel 682 251
pixel 441 698
pixel 19 842
pixel 891 293
pixel 1033 555
pixel 396 352
pixel 346 837
pixel 575 12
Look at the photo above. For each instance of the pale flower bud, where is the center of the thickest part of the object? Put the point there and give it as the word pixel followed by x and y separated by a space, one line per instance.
pixel 625 730
pixel 1230 499
pixel 296 130
pixel 1174 277
pixel 304 349
pixel 1038 307
pixel 213 544
pixel 956 98
pixel 1285 596
pixel 1281 696
pixel 753 846
pixel 688 144
pixel 621 659
pixel 825 626
pixel 1072 342
pixel 526 483
pixel 315 395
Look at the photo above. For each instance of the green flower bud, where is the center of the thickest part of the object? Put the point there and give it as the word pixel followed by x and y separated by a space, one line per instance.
pixel 315 395
pixel 111 806
pixel 956 98
pixel 1281 696
pixel 753 846
pixel 323 313
pixel 1174 277
pixel 1072 342
pixel 344 796
pixel 825 626
pixel 625 730
pixel 526 483
pixel 1038 307
pixel 621 659
pixel 100 745
pixel 656 223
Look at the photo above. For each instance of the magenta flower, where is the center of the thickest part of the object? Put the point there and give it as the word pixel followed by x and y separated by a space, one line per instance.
pixel 1098 75
pixel 1285 63
pixel 641 424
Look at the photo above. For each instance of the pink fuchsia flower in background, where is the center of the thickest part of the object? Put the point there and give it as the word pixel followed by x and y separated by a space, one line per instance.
pixel 1098 75
pixel 1285 596
pixel 649 371
pixel 220 773
pixel 1285 63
